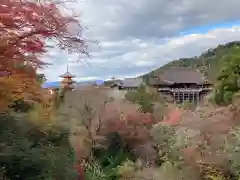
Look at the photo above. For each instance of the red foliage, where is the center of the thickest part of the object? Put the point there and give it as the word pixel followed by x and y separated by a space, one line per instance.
pixel 142 118
pixel 24 28
pixel 173 118
pixel 80 170
pixel 133 128
pixel 79 166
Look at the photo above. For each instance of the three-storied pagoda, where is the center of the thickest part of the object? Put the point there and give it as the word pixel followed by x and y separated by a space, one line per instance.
pixel 67 83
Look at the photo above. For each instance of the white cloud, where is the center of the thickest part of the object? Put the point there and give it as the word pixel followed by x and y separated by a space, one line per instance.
pixel 140 35
pixel 141 59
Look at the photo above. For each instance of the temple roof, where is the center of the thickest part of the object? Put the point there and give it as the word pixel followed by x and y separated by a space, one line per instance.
pixel 131 82
pixel 179 76
pixel 128 83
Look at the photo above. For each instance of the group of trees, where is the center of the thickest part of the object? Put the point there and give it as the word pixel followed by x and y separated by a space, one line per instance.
pixel 144 99
pixel 228 81
pixel 32 146
pixel 25 27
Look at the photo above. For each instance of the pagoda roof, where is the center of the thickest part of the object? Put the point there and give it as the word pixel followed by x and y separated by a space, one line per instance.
pixel 67 81
pixel 67 74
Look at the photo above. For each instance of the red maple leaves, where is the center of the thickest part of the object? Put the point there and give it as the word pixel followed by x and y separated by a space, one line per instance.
pixel 25 26
pixel 173 119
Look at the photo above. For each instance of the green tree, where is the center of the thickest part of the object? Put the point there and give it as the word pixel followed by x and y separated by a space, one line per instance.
pixel 26 152
pixel 228 80
pixel 143 98
pixel 41 78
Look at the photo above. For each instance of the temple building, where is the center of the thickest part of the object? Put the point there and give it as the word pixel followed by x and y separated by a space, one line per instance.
pixel 181 84
pixel 67 81
pixel 127 84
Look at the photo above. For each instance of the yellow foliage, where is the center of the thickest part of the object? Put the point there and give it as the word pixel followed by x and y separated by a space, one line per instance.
pixel 6 92
pixel 126 169
pixel 18 87
pixel 211 172
pixel 43 113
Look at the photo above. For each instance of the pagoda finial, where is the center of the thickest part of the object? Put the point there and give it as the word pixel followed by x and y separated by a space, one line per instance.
pixel 67 67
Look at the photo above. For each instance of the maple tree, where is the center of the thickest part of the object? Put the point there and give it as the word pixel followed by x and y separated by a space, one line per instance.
pixel 133 128
pixel 25 26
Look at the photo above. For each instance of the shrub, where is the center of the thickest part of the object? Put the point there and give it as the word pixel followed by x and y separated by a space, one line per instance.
pixel 170 171
pixel 142 98
pixel 131 96
pixel 136 171
pixel 21 106
pixel 94 171
pixel 232 147
pixel 164 136
pixel 165 139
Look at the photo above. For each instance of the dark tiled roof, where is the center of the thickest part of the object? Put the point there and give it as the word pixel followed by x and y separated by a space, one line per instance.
pixel 183 75
pixel 155 81
pixel 115 83
pixel 179 75
pixel 131 82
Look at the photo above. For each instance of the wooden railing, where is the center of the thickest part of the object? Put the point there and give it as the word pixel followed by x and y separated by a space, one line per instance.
pixel 185 89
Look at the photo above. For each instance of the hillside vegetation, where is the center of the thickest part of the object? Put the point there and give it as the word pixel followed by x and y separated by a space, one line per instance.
pixel 208 62
pixel 97 134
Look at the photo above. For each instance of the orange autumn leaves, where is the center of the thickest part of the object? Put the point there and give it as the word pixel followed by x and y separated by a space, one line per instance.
pixel 25 26
pixel 18 86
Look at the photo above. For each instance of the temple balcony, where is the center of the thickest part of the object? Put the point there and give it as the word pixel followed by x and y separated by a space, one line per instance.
pixel 192 90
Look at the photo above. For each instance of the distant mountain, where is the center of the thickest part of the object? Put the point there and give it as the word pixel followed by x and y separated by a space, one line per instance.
pixel 208 62
pixel 57 84
pixel 84 83
pixel 99 82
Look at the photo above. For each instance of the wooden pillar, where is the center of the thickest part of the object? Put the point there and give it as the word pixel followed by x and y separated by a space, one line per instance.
pixel 176 96
pixel 197 97
pixel 174 100
pixel 193 97
pixel 183 96
pixel 179 96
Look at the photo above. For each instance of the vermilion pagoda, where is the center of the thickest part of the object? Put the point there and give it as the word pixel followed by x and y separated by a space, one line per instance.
pixel 67 82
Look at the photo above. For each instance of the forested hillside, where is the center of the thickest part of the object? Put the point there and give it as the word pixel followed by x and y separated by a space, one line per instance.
pixel 208 62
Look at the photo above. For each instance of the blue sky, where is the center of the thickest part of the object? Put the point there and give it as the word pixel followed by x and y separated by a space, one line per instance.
pixel 207 27
pixel 138 36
